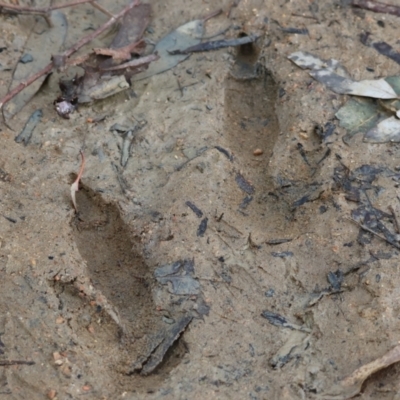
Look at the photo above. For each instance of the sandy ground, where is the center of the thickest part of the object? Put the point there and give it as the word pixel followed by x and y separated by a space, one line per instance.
pixel 85 298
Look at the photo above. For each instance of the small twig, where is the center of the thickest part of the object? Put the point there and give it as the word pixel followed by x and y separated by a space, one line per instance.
pixel 75 185
pixel 102 9
pixel 396 221
pixel 304 16
pixel 6 363
pixel 40 11
pixel 46 70
pixel 134 63
pixel 212 15
pixel 374 233
pixel 377 6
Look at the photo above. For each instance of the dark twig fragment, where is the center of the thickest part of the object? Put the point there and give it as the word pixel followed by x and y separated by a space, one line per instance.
pixel 195 209
pixel 362 226
pixel 377 6
pixel 216 45
pixel 7 363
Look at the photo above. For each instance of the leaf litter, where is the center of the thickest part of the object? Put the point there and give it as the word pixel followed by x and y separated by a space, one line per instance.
pixel 378 120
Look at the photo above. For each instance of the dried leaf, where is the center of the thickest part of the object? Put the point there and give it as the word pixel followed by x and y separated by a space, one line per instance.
pixel 41 45
pixel 185 36
pixel 128 38
pixel 325 72
pixel 359 115
pixel 75 185
pixel 387 130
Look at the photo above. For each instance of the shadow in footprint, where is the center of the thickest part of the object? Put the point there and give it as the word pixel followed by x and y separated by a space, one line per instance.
pixel 252 129
pixel 114 267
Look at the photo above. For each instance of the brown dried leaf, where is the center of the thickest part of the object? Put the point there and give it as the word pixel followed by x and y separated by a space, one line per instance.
pixel 123 53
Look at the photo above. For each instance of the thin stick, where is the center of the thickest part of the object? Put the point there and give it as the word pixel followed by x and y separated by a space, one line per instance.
pixel 6 363
pixel 304 16
pixel 396 221
pixel 134 63
pixel 34 10
pixel 46 70
pixel 102 9
pixel 377 6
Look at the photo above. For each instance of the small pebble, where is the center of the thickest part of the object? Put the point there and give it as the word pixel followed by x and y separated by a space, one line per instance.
pixel 26 58
pixel 59 320
pixel 51 394
pixel 257 152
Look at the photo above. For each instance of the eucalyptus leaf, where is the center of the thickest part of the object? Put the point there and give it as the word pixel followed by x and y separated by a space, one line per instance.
pixel 385 131
pixel 183 37
pixel 332 75
pixel 42 43
pixel 359 116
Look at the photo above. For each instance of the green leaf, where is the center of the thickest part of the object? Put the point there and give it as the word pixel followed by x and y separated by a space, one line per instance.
pixel 359 116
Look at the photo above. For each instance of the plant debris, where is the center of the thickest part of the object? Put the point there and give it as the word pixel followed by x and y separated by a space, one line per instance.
pixel 62 60
pixel 216 45
pixel 75 185
pixel 26 133
pixel 44 44
pixel 377 6
pixel 195 209
pixel 333 75
pixel 351 386
pixel 185 36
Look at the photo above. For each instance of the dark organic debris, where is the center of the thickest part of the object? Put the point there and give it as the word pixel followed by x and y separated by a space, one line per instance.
pixel 282 254
pixel 26 133
pixel 216 45
pixel 184 36
pixel 201 230
pixel 335 279
pixel 274 319
pixel 245 202
pixel 172 334
pixel 225 152
pixel 323 132
pixel 381 47
pixel 7 363
pixel 128 140
pixel 377 6
pixel 300 148
pixel 277 241
pixel 195 209
pixel 281 322
pixel 357 185
pixel 244 184
pixel 301 201
pixel 298 31
pixel 13 220
pixel 180 275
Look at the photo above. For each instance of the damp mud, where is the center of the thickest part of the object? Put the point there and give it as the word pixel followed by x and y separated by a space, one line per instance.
pixel 224 247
